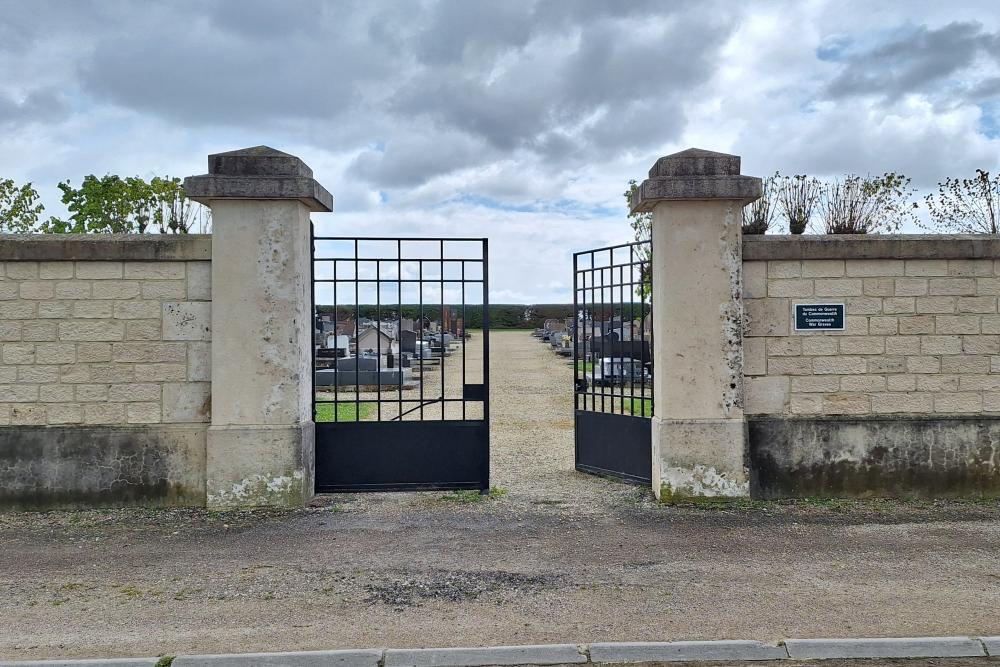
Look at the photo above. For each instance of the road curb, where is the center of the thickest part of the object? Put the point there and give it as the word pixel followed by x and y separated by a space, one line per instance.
pixel 616 653
pixel 901 647
pixel 545 654
pixel 603 653
pixel 349 658
pixel 87 662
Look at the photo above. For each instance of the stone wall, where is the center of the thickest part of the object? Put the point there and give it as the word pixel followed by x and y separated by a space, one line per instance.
pixel 922 336
pixel 105 343
pixel 884 406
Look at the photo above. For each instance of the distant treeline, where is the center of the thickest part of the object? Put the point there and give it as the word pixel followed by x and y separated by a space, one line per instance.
pixel 502 316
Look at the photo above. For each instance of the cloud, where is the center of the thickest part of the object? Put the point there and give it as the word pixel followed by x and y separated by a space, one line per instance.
pixel 248 65
pixel 39 106
pixel 411 159
pixel 442 90
pixel 457 30
pixel 521 121
pixel 574 84
pixel 919 60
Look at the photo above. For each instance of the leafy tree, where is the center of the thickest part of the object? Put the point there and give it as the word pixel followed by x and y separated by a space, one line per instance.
pixel 19 207
pixel 797 197
pixel 642 229
pixel 502 316
pixel 867 205
pixel 968 205
pixel 641 222
pixel 758 216
pixel 114 205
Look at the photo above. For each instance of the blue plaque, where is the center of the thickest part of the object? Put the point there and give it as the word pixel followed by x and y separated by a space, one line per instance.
pixel 819 317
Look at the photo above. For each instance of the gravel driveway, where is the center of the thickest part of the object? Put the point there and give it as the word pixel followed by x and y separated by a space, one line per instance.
pixel 560 557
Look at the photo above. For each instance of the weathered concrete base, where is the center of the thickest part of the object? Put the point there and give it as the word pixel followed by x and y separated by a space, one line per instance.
pixel 260 465
pixel 890 456
pixel 102 466
pixel 681 448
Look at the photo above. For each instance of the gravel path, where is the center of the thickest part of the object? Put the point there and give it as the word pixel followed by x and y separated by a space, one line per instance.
pixel 532 429
pixel 531 412
pixel 561 557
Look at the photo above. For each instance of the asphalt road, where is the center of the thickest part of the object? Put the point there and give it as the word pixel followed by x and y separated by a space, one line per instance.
pixel 560 557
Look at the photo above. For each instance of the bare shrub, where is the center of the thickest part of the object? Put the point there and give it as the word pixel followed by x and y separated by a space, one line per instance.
pixel 797 197
pixel 758 216
pixel 968 205
pixel 867 205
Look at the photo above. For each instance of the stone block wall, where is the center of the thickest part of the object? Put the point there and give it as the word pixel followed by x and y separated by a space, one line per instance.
pixel 104 342
pixel 105 369
pixel 922 336
pixel 905 400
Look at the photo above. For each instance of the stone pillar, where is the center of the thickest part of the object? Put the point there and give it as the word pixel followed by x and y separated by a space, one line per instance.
pixel 699 431
pixel 261 440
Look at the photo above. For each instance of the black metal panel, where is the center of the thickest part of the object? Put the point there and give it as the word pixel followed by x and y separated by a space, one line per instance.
pixel 614 445
pixel 386 421
pixel 613 361
pixel 474 392
pixel 402 455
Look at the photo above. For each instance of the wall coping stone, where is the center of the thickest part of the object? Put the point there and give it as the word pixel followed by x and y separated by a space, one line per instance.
pixel 870 246
pixel 105 247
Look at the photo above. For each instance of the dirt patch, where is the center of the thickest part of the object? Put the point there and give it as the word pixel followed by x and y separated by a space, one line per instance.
pixel 455 586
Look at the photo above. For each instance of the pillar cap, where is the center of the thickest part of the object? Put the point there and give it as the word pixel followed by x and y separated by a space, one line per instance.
pixel 259 172
pixel 695 174
pixel 696 162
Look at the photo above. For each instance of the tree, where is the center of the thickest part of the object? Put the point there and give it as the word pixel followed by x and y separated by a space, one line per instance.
pixel 797 197
pixel 640 221
pixel 867 205
pixel 113 205
pixel 967 206
pixel 642 229
pixel 19 207
pixel 758 216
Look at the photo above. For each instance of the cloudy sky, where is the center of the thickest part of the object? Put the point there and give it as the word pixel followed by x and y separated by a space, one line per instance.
pixel 517 120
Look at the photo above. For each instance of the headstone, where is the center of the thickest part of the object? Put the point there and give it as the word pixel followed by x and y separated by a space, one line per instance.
pixel 408 341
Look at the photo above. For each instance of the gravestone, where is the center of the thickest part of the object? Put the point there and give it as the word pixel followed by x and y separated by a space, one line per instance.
pixel 408 341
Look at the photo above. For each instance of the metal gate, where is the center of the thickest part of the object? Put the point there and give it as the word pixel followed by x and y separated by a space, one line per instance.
pixel 401 363
pixel 613 362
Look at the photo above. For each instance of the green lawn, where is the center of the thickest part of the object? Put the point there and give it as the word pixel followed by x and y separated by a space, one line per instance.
pixel 640 407
pixel 347 411
pixel 584 366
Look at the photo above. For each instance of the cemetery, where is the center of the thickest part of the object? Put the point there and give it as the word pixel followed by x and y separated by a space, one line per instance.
pixel 814 368
pixel 546 384
pixel 401 356
pixel 879 347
